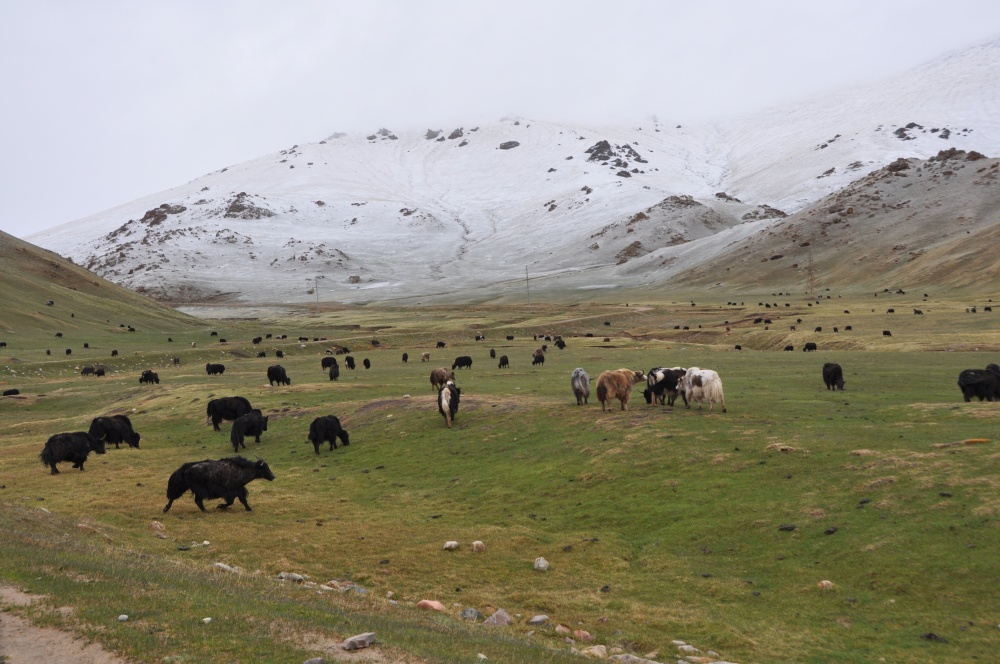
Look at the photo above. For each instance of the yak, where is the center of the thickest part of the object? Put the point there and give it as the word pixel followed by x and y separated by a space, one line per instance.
pixel 215 369
pixel 462 361
pixel 538 357
pixel 276 374
pixel 70 447
pixel 617 384
pixel 227 408
pixel 441 376
pixel 13 392
pixel 504 363
pixel 833 376
pixel 702 385
pixel 226 478
pixel 809 347
pixel 579 381
pixel 328 361
pixel 149 376
pixel 327 428
pixel 334 371
pixel 116 429
pixel 448 398
pixel 253 424
pixel 406 358
pixel 367 363
pixel 980 383
pixel 662 386
pixel 349 361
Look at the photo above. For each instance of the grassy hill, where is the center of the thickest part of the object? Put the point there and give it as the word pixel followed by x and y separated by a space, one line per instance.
pixel 659 523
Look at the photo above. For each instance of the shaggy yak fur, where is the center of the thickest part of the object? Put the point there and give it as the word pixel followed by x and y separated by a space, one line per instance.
pixel 149 376
pixel 617 384
pixel 833 376
pixel 504 363
pixel 702 385
pixel 440 376
pixel 215 369
pixel 580 383
pixel 327 428
pixel 448 401
pixel 116 429
pixel 662 386
pixel 276 374
pixel 980 383
pixel 253 424
pixel 70 447
pixel 227 408
pixel 225 478
pixel 334 370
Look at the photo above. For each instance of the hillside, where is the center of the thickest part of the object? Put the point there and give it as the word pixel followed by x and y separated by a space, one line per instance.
pixel 43 291
pixel 464 212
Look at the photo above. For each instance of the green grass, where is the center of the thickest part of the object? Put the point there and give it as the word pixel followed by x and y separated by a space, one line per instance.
pixel 659 523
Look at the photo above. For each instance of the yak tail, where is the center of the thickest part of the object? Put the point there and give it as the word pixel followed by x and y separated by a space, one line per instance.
pixel 46 456
pixel 602 392
pixel 234 437
pixel 177 484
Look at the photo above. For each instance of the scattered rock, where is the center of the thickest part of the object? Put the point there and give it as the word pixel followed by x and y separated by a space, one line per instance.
pixel 291 576
pixel 451 545
pixel 541 564
pixel 563 630
pixel 430 604
pixel 223 567
pixel 358 641
pixel 632 659
pixel 206 621
pixel 583 635
pixel 478 546
pixel 122 618
pixel 597 652
pixel 540 619
pixel 507 145
pixel 499 618
pixel 788 527
pixel 825 585
pixel 470 614
pixel 688 649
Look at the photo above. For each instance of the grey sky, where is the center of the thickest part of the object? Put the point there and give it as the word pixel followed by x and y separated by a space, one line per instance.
pixel 107 101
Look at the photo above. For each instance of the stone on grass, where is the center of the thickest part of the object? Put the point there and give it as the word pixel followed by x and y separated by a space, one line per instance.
pixel 223 567
pixel 430 604
pixel 478 546
pixel 207 621
pixel 291 576
pixel 825 585
pixel 541 564
pixel 540 619
pixel 450 545
pixel 582 635
pixel 470 614
pixel 358 641
pixel 499 618
pixel 688 649
pixel 598 652
pixel 632 659
pixel 122 618
pixel 563 630
pixel 315 660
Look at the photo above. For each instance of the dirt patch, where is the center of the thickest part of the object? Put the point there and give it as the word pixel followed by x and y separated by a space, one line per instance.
pixel 21 642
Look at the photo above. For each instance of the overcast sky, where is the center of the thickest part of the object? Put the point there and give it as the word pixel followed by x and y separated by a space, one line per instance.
pixel 107 101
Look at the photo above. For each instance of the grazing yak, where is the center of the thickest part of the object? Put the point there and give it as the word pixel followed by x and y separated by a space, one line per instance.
pixel 462 361
pixel 367 363
pixel 253 424
pixel 702 385
pixel 13 392
pixel 440 376
pixel 425 357
pixel 327 428
pixel 276 374
pixel 493 354
pixel 662 386
pixel 70 447
pixel 226 478
pixel 983 384
pixel 116 429
pixel 406 358
pixel 215 369
pixel 349 361
pixel 617 384
pixel 810 346
pixel 448 397
pixel 510 337
pixel 328 361
pixel 504 363
pixel 150 377
pixel 334 371
pixel 87 371
pixel 886 333
pixel 227 408
pixel 279 353
pixel 579 382
pixel 538 357
pixel 833 376
pixel 440 344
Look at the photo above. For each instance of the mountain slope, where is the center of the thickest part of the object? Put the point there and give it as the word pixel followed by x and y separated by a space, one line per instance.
pixel 465 211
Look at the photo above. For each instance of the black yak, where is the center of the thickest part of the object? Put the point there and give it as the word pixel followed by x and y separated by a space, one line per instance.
pixel 13 392
pixel 538 357
pixel 213 369
pixel 367 363
pixel 253 424
pixel 504 363
pixel 149 376
pixel 349 361
pixel 276 374
pixel 448 398
pixel 334 370
pixel 833 376
pixel 462 361
pixel 327 362
pixel 662 386
pixel 980 383
pixel 406 358
pixel 227 408
pixel 226 478
pixel 493 354
pixel 279 353
pixel 70 447
pixel 327 428
pixel 810 346
pixel 116 429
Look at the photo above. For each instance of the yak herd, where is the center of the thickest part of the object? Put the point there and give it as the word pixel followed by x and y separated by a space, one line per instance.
pixel 227 478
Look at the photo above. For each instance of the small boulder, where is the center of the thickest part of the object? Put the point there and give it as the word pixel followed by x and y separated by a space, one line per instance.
pixel 358 641
pixel 478 546
pixel 583 635
pixel 541 564
pixel 540 619
pixel 499 619
pixel 471 614
pixel 596 652
pixel 430 604
pixel 563 630
pixel 451 545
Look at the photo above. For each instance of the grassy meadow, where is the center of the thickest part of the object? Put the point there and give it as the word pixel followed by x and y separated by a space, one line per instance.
pixel 659 523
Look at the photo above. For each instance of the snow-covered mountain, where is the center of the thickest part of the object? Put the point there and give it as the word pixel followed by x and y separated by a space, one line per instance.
pixel 464 211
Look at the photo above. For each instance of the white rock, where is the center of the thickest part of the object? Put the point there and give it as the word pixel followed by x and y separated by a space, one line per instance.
pixel 688 649
pixel 122 618
pixel 541 564
pixel 450 545
pixel 478 546
pixel 206 620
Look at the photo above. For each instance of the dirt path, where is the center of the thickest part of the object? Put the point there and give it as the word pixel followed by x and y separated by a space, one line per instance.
pixel 23 643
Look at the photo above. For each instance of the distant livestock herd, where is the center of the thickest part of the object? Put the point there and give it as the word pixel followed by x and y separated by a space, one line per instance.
pixel 227 478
